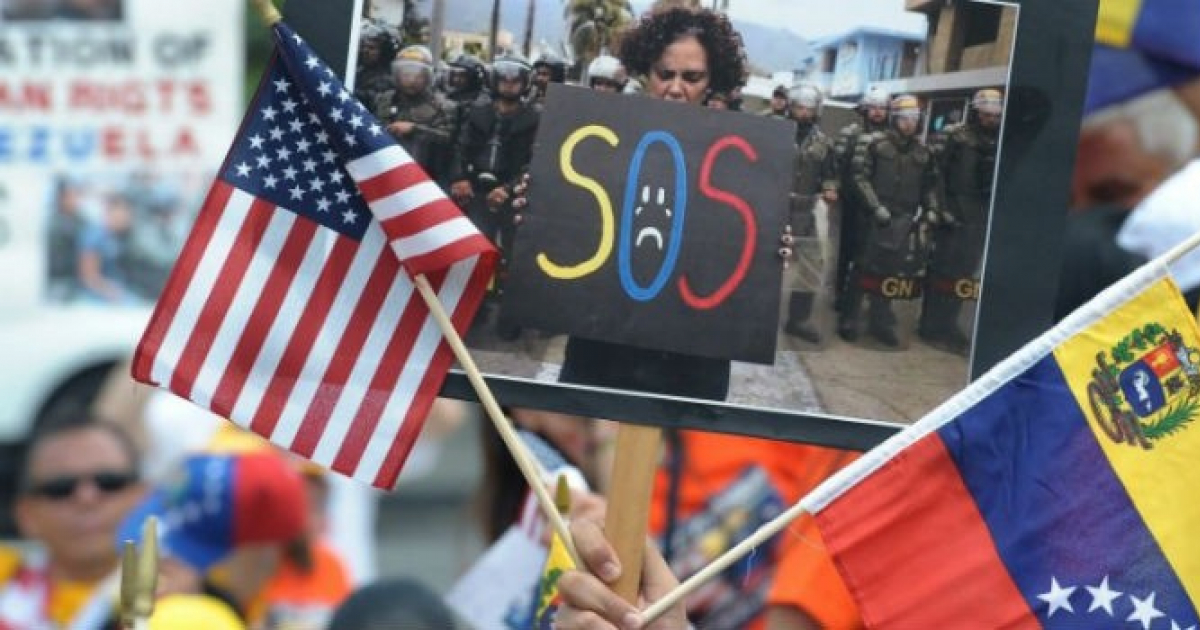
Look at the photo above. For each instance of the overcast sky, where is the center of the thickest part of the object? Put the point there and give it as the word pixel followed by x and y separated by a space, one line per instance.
pixel 818 18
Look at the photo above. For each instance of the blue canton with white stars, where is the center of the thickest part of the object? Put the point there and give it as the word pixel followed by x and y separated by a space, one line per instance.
pixel 301 128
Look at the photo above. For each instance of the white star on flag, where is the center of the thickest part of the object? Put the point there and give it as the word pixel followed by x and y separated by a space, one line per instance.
pixel 1144 611
pixel 1059 598
pixel 1103 597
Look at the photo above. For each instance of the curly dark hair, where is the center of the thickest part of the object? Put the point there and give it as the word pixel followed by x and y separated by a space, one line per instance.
pixel 643 44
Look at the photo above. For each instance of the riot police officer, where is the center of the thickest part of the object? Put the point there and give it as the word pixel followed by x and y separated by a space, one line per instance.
pixel 606 74
pixel 377 47
pixel 896 179
pixel 548 68
pixel 814 190
pixel 967 157
pixel 465 82
pixel 873 112
pixel 420 120
pixel 495 146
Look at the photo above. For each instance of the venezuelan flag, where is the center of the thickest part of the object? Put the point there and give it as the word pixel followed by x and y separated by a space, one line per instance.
pixel 548 599
pixel 1142 45
pixel 1059 490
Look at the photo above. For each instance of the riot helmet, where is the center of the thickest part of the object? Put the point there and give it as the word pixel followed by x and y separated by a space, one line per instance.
pixel 874 105
pixel 413 69
pixel 606 73
pixel 511 77
pixel 987 107
pixel 376 45
pixel 805 96
pixel 905 113
pixel 549 68
pixel 465 75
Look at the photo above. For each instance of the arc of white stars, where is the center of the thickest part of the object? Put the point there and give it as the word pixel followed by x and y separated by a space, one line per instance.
pixel 1103 597
pixel 1059 598
pixel 1144 611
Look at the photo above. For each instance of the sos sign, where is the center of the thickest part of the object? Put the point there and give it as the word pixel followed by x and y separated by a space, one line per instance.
pixel 653 224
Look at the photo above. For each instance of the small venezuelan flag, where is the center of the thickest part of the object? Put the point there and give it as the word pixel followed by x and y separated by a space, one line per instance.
pixel 557 562
pixel 1059 490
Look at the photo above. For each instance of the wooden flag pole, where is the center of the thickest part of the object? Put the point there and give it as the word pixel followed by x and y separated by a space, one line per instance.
pixel 528 466
pixel 267 11
pixel 629 494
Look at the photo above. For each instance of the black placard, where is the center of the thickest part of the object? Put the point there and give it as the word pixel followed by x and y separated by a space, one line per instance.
pixel 654 225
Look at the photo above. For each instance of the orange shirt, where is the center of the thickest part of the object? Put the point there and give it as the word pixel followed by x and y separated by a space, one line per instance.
pixel 298 599
pixel 805 575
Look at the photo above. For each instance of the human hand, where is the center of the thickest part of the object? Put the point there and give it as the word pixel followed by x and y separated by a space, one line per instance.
pixel 520 192
pixel 497 197
pixel 589 603
pixel 882 216
pixel 585 506
pixel 400 128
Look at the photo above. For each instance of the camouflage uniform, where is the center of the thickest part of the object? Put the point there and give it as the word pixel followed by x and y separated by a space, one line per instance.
pixel 434 117
pixel 816 173
pixel 849 139
pixel 967 157
pixel 898 174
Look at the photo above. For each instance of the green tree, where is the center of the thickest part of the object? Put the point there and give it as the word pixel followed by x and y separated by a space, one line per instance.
pixel 595 25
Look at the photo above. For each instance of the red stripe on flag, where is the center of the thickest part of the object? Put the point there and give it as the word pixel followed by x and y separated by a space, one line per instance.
pixel 443 257
pixel 422 218
pixel 181 278
pixel 905 574
pixel 262 317
pixel 435 375
pixel 233 271
pixel 392 181
pixel 347 354
pixel 316 309
pixel 383 384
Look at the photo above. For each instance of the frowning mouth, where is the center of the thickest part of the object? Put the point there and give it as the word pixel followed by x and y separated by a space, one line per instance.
pixel 650 233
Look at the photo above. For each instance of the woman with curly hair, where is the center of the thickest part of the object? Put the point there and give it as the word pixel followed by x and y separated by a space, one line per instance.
pixel 685 53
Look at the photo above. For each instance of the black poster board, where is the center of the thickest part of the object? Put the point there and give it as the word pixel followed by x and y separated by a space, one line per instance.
pixel 1044 89
pixel 653 224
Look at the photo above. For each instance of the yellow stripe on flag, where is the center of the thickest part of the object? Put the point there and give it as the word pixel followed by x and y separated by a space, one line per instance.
pixel 1115 22
pixel 1136 377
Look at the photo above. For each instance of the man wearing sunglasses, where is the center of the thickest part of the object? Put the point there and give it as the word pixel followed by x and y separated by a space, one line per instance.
pixel 77 483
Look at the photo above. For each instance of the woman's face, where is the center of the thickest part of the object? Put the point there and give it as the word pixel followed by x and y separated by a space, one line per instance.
pixel 681 73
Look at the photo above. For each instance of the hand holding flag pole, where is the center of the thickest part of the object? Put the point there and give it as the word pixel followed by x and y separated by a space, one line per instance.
pixel 768 530
pixel 524 460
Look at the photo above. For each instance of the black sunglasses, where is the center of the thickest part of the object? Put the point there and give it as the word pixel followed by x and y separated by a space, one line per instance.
pixel 59 488
pixel 688 76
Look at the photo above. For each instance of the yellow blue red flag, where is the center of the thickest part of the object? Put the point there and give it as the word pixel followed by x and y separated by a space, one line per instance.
pixel 1142 45
pixel 1059 490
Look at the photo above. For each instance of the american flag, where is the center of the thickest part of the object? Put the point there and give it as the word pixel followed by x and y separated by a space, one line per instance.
pixel 291 309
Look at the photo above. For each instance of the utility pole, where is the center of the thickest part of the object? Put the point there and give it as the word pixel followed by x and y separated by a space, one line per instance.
pixel 494 33
pixel 436 27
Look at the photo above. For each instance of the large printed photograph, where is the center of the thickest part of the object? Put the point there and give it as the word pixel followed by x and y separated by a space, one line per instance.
pixel 812 239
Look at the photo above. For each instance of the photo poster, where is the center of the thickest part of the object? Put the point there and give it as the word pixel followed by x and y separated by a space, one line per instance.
pixel 653 225
pixel 833 392
pixel 115 116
